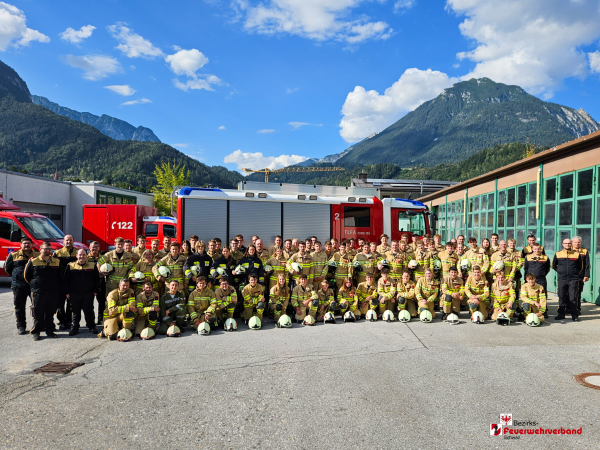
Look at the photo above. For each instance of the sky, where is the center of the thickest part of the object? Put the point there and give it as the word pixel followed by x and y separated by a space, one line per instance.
pixel 270 83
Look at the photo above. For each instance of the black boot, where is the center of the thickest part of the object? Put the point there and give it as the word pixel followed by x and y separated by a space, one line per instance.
pixel 74 331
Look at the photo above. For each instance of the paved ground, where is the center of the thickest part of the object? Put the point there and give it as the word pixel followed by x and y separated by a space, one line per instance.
pixel 357 385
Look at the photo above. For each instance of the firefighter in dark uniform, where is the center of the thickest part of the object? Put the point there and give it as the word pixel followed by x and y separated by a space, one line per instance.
pixel 567 263
pixel 584 275
pixel 94 256
pixel 15 267
pixel 81 282
pixel 199 259
pixel 65 255
pixel 538 264
pixel 43 275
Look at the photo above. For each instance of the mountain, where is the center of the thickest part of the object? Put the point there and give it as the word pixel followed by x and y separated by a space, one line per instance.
pixel 464 119
pixel 36 140
pixel 114 128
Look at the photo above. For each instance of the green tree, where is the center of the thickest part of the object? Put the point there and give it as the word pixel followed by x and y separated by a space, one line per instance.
pixel 167 177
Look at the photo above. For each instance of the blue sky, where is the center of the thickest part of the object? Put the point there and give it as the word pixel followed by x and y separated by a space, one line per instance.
pixel 257 84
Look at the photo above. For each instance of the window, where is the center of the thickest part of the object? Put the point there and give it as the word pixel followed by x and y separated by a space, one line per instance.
pixel 565 213
pixel 598 241
pixel 551 190
pixel 531 220
pixel 586 236
pixel 490 219
pixel 7 226
pixel 501 199
pixel 566 186
pixel 490 201
pixel 549 215
pixel 357 216
pixel 151 230
pixel 520 238
pixel 510 197
pixel 171 231
pixel 110 198
pixel 414 224
pixel 584 212
pixel 585 182
pixel 510 218
pixel 42 229
pixel 549 239
pixel 476 204
pixel 521 195
pixel 532 193
pixel 500 219
pixel 520 217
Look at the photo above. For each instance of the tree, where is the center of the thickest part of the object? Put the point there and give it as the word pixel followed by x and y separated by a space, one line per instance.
pixel 167 177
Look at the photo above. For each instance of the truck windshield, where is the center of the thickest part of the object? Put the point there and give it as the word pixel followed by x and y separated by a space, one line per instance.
pixel 414 224
pixel 41 228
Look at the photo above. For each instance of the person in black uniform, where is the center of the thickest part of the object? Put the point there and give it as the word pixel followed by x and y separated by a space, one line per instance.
pixel 81 282
pixel 15 267
pixel 568 264
pixel 43 275
pixel 93 256
pixel 538 264
pixel 200 259
pixel 65 255
pixel 584 275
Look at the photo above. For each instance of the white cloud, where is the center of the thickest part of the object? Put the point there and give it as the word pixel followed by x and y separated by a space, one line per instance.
pixel 594 59
pixel 94 67
pixel 76 36
pixel 297 125
pixel 132 44
pixel 258 161
pixel 266 131
pixel 403 5
pixel 187 62
pixel 13 31
pixel 534 44
pixel 222 127
pixel 136 102
pixel 198 82
pixel 366 112
pixel 313 19
pixel 180 145
pixel 123 89
pixel 289 90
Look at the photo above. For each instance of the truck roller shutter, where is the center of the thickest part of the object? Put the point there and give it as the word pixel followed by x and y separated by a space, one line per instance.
pixel 205 218
pixel 302 220
pixel 255 217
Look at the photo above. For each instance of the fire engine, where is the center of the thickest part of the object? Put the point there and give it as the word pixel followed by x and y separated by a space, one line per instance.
pixel 210 213
pixel 15 225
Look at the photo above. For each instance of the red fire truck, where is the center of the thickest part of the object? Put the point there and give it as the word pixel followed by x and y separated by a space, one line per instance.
pixel 15 225
pixel 211 213
pixel 104 223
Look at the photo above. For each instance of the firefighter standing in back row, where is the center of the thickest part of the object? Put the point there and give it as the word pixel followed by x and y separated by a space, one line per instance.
pixel 67 254
pixel 15 268
pixel 81 282
pixel 94 256
pixel 174 262
pixel 567 263
pixel 584 275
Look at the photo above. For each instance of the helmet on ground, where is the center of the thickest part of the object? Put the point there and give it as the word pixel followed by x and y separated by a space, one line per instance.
pixel 388 316
pixel 532 320
pixel 230 325
pixel 124 335
pixel 106 268
pixel 239 270
pixel 173 331
pixel 164 271
pixel 477 317
pixel 268 268
pixel 452 319
pixel 465 264
pixel 426 316
pixel 139 276
pixel 204 329
pixel 437 264
pixel 309 320
pixel 296 267
pixel 503 319
pixel 195 269
pixel 284 321
pixel 498 265
pixel 329 318
pixel 147 333
pixel 371 316
pixel 254 323
pixel 349 317
pixel 412 264
pixel 404 316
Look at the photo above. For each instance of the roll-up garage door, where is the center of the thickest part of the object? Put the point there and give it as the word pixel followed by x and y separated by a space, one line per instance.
pixel 302 220
pixel 254 217
pixel 205 218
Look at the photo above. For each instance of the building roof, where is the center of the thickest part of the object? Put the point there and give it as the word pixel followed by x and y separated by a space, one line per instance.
pixel 404 185
pixel 90 183
pixel 561 151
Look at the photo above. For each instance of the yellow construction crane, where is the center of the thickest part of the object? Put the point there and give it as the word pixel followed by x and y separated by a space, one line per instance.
pixel 294 169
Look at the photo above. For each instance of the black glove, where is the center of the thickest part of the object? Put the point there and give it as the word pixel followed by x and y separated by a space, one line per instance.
pixel 315 303
pixel 152 315
pixel 260 306
pixel 333 306
pixel 401 300
pixel 279 307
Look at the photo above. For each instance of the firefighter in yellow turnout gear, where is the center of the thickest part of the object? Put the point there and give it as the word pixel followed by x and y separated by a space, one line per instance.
pixel 202 303
pixel 477 292
pixel 148 305
pixel 254 299
pixel 427 291
pixel 279 298
pixel 533 297
pixel 453 292
pixel 386 290
pixel 405 293
pixel 503 297
pixel 366 292
pixel 120 260
pixel 302 298
pixel 174 261
pixel 343 263
pixel 120 309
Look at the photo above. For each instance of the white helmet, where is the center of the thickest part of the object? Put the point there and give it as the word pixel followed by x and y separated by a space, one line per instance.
pixel 356 264
pixel 147 333
pixel 195 269
pixel 503 319
pixel 426 316
pixel 296 267
pixel 329 317
pixel 385 262
pixel 333 263
pixel 371 316
pixel 268 268
pixel 452 319
pixel 404 316
pixel 230 325
pixel 532 320
pixel 204 329
pixel 173 331
pixel 124 335
pixel 139 276
pixel 254 323
pixel 349 317
pixel 437 264
pixel 164 271
pixel 465 264
pixel 477 317
pixel 239 270
pixel 284 321
pixel 412 264
pixel 309 320
pixel 106 268
pixel 498 266
pixel 388 316
pixel 220 272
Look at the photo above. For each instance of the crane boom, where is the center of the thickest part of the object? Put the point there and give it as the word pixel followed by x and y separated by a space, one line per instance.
pixel 294 169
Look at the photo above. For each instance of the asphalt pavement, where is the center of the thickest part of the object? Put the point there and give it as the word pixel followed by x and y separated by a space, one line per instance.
pixel 354 385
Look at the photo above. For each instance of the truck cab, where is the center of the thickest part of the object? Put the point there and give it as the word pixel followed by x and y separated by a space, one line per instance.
pixel 157 227
pixel 15 225
pixel 403 216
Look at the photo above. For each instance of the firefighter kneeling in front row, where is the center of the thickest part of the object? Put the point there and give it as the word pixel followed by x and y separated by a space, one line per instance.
pixel 502 295
pixel 254 299
pixel 172 308
pixel 533 298
pixel 120 310
pixel 202 303
pixel 147 303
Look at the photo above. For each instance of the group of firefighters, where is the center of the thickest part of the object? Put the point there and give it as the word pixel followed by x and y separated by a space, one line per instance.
pixel 146 291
